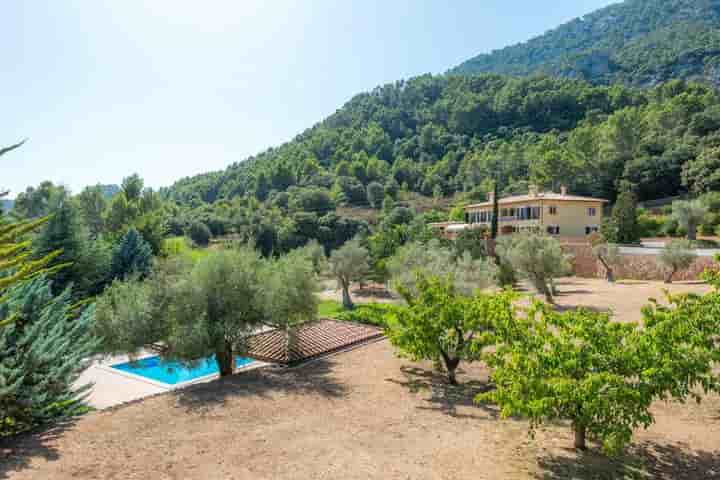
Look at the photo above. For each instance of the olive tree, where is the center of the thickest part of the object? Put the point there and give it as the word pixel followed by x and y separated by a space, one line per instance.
pixel 607 253
pixel 578 366
pixel 676 256
pixel 468 274
pixel 445 326
pixel 349 263
pixel 289 285
pixel 689 215
pixel 539 258
pixel 207 309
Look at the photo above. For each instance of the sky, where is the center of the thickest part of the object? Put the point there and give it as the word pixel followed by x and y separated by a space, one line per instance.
pixel 172 88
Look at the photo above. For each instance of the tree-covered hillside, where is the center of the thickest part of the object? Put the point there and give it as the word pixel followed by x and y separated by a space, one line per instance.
pixel 438 135
pixel 638 42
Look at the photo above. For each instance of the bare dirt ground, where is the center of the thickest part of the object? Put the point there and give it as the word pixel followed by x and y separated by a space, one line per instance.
pixel 358 415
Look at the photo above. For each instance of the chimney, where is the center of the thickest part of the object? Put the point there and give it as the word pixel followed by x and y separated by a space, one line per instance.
pixel 563 190
pixel 491 196
pixel 533 190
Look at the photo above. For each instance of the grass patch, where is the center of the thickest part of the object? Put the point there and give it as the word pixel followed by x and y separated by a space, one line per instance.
pixel 329 309
pixel 369 313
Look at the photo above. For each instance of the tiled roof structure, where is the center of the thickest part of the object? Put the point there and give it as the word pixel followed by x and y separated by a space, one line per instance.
pixel 311 340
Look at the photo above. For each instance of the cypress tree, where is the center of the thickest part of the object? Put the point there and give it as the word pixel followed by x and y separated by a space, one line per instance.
pixel 42 354
pixel 495 213
pixel 132 256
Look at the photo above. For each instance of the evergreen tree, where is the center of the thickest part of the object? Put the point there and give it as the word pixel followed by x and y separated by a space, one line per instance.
pixel 622 226
pixel 495 213
pixel 64 232
pixel 132 256
pixel 42 354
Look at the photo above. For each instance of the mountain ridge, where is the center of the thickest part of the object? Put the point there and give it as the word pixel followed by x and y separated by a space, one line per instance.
pixel 606 46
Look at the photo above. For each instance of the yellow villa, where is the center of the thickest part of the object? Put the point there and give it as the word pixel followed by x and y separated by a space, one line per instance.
pixel 557 214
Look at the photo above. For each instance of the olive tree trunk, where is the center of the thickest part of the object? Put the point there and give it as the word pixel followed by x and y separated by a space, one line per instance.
pixel 669 275
pixel 347 301
pixel 580 436
pixel 451 364
pixel 225 360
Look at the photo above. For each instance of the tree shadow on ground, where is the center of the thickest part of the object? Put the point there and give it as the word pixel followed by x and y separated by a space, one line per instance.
pixel 17 451
pixel 571 308
pixel 444 397
pixel 311 378
pixel 644 461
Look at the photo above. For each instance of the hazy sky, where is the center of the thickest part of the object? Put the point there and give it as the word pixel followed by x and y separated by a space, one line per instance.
pixel 170 88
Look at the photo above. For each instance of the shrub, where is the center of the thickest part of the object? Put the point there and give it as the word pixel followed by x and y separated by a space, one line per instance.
pixel 370 314
pixel 650 225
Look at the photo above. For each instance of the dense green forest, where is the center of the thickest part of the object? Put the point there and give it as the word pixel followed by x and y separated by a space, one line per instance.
pixel 637 42
pixel 440 135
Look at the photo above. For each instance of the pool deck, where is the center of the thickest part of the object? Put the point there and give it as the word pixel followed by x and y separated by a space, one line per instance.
pixel 112 387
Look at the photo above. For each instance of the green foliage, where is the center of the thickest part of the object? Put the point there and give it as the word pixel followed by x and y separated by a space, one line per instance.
pixel 42 354
pixel 473 241
pixel 637 41
pixel 132 256
pixel 329 309
pixel 375 194
pixel 689 215
pixel 65 233
pixel 40 201
pixel 650 225
pixel 349 264
pixel 289 285
pixel 376 314
pixel 676 256
pixel 199 233
pixel 539 258
pixel 431 259
pixel 93 203
pixel 16 264
pixel 623 225
pixel 578 366
pixel 443 325
pixel 607 253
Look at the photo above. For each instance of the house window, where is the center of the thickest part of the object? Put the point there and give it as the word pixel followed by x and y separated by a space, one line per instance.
pixel 591 212
pixel 535 213
pixel 504 212
pixel 512 212
pixel 552 210
pixel 553 229
pixel 591 229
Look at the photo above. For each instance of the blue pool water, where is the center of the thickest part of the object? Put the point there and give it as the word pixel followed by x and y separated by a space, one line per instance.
pixel 155 368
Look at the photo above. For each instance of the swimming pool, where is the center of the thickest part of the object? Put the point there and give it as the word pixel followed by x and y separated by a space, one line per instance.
pixel 170 372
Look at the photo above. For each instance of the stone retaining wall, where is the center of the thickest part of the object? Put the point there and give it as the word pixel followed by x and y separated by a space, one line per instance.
pixel 632 267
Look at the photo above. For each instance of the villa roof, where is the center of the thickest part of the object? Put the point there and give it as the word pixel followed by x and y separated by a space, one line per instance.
pixel 556 197
pixel 311 340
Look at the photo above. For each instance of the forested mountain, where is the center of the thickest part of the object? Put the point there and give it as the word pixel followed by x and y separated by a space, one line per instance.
pixel 438 135
pixel 454 135
pixel 638 42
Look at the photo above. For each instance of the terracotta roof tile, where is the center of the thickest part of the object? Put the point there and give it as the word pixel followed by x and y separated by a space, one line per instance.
pixel 311 340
